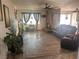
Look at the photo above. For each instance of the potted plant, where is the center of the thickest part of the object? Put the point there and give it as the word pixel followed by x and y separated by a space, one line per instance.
pixel 14 42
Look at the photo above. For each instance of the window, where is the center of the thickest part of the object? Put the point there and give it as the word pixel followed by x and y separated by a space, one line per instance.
pixel 65 19
pixel 32 20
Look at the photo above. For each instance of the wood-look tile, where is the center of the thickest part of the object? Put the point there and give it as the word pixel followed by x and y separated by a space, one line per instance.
pixel 41 45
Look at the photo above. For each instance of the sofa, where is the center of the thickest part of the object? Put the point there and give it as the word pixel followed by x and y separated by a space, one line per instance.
pixel 63 30
pixel 70 43
pixel 67 35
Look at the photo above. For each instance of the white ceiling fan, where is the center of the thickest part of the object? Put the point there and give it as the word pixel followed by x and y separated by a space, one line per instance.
pixel 47 6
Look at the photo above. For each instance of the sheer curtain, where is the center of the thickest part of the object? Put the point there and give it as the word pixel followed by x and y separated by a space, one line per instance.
pixel 74 19
pixel 22 19
pixel 37 18
pixel 26 17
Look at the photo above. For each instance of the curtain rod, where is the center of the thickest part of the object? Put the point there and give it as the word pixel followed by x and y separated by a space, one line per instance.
pixel 30 12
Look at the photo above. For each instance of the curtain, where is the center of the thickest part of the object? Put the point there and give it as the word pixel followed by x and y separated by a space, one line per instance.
pixel 37 17
pixel 26 17
pixel 74 19
pixel 22 20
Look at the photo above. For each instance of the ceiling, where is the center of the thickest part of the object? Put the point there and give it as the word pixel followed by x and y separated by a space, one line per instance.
pixel 63 4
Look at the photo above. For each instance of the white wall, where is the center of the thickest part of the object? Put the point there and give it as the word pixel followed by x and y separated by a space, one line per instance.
pixel 3 30
pixel 3 50
pixel 9 4
pixel 53 17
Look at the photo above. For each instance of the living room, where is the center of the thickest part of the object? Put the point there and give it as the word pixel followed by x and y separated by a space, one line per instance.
pixel 45 29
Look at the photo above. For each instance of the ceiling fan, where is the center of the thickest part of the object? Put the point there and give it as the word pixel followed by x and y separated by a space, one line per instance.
pixel 47 6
